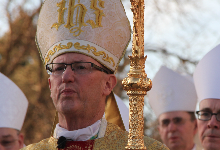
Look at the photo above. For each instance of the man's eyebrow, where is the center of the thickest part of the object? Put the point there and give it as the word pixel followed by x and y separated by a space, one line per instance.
pixel 165 120
pixel 177 118
pixel 206 109
pixel 7 136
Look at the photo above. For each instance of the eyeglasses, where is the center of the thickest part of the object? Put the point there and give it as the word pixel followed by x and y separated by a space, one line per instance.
pixel 205 116
pixel 77 67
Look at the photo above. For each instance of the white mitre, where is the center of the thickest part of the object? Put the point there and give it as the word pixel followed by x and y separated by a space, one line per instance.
pixel 207 75
pixel 172 92
pixel 98 29
pixel 13 104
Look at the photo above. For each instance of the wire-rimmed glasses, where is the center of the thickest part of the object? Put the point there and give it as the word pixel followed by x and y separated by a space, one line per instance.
pixel 77 68
pixel 205 115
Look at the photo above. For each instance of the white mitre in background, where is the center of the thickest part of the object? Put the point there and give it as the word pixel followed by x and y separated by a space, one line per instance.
pixel 13 104
pixel 207 75
pixel 172 92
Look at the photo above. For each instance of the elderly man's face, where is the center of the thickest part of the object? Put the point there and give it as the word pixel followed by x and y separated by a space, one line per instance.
pixel 177 130
pixel 209 131
pixel 79 94
pixel 10 139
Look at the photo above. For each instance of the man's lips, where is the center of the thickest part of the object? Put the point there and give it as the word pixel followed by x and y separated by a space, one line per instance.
pixel 212 136
pixel 67 91
pixel 173 138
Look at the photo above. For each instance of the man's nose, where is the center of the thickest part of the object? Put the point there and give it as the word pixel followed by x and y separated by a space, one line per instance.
pixel 172 126
pixel 68 75
pixel 213 123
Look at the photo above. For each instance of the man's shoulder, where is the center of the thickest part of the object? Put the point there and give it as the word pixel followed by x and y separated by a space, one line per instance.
pixel 45 144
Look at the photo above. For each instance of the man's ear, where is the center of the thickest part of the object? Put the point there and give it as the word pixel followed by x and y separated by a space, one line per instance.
pixel 49 83
pixel 158 125
pixel 195 126
pixel 158 128
pixel 21 140
pixel 49 86
pixel 110 83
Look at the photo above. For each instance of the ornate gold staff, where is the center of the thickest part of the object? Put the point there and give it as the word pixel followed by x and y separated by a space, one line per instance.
pixel 137 84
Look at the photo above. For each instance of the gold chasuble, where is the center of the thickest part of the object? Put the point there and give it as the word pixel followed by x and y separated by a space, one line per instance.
pixel 114 139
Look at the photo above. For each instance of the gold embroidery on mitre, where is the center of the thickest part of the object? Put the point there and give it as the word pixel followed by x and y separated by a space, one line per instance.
pixel 61 11
pixel 56 49
pixel 88 48
pixel 98 12
pixel 77 46
pixel 80 12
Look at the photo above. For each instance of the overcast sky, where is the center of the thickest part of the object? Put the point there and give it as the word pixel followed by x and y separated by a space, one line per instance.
pixel 193 38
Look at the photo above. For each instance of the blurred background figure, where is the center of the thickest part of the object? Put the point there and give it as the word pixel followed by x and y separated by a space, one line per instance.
pixel 207 83
pixel 13 108
pixel 173 99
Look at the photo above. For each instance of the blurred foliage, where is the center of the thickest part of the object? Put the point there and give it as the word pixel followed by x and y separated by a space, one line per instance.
pixel 20 61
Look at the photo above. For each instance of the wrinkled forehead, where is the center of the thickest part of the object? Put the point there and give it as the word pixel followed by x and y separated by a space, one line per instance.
pixel 74 57
pixel 173 114
pixel 210 104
